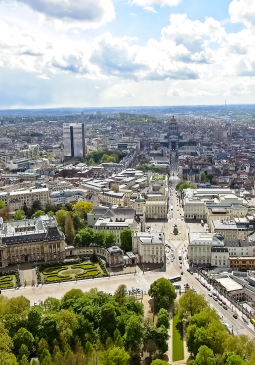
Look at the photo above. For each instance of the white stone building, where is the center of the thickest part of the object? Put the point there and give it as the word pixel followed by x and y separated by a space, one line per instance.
pixel 150 246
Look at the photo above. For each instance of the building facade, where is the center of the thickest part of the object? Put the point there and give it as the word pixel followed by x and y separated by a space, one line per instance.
pixel 150 246
pixel 31 240
pixel 74 139
pixel 16 199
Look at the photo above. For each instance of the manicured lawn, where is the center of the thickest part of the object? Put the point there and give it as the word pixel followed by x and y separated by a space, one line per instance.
pixel 69 272
pixel 178 348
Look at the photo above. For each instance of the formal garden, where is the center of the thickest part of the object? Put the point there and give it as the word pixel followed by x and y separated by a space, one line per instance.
pixel 67 272
pixel 9 280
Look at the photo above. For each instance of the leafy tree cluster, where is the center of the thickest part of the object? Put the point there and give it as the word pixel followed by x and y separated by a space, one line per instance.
pixel 87 236
pixel 96 157
pixel 206 177
pixel 208 339
pixel 145 167
pixel 81 328
pixel 184 185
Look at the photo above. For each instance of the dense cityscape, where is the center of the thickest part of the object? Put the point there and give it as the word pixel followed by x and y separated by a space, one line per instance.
pixel 128 236
pixel 127 182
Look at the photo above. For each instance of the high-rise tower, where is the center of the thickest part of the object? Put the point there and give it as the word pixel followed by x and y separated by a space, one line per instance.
pixel 173 141
pixel 74 139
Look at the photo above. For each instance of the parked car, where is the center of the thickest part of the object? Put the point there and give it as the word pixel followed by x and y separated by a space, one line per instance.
pixel 225 307
pixel 235 315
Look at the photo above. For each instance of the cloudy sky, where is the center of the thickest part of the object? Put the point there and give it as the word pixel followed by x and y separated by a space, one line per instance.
pixel 86 53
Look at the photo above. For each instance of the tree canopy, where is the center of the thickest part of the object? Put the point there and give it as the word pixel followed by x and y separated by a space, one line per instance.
pixel 163 291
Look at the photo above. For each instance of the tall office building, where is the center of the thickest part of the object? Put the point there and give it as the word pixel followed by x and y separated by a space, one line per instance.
pixel 74 139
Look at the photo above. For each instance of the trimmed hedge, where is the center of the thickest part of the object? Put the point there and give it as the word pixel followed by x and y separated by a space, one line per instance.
pixel 84 266
pixel 57 278
pixel 88 273
pixel 6 278
pixel 6 281
pixel 53 270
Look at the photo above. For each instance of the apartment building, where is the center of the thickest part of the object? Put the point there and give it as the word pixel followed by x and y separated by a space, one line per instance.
pixel 219 256
pixel 150 246
pixel 112 198
pixel 17 199
pixel 235 229
pixel 200 247
pixel 242 263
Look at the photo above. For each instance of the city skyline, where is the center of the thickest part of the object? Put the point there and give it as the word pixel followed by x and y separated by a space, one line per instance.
pixel 126 53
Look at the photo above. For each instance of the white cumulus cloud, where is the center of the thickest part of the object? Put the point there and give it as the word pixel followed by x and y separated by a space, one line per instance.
pixel 243 11
pixel 146 3
pixel 73 13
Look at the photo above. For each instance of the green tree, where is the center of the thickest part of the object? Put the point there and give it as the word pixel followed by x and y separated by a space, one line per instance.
pixel 191 303
pixel 159 362
pixel 48 327
pixel 83 207
pixel 71 297
pixel 184 185
pixel 110 239
pixel 2 204
pixel 163 320
pixel 61 218
pixel 77 220
pixel 69 230
pixel 89 349
pixel 133 334
pixel 45 357
pixel 38 214
pixel 66 324
pixel 13 322
pixel 205 356
pixel 202 176
pixel 126 240
pixel 34 319
pixel 52 304
pixel 155 339
pixel 209 177
pixel 23 351
pixel 18 305
pixel 120 293
pixel 84 237
pixel 42 345
pixel 251 360
pixel 23 337
pixel 234 359
pixel 156 169
pixel 117 356
pixel 108 318
pixel 241 345
pixel 69 207
pixel 163 292
pixel 19 215
pixel 24 360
